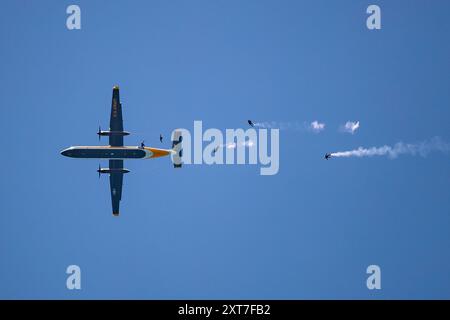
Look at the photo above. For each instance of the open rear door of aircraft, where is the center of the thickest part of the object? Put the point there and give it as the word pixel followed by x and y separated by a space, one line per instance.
pixel 116 182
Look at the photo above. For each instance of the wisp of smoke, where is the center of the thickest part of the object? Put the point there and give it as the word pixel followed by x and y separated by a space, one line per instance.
pixel 278 125
pixel 233 145
pixel 350 127
pixel 422 149
pixel 314 126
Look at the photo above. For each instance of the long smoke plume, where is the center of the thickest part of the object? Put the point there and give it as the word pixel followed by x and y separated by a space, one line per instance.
pixel 422 149
pixel 314 126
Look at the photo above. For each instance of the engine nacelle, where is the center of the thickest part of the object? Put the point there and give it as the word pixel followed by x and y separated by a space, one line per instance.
pixel 113 133
pixel 112 170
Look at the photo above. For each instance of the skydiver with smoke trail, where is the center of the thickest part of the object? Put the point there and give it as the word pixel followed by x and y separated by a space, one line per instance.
pixel 250 123
pixel 422 148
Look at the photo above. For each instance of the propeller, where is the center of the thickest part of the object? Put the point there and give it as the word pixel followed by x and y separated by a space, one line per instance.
pixel 99 133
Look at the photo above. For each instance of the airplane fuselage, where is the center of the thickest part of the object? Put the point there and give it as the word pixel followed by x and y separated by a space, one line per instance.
pixel 116 153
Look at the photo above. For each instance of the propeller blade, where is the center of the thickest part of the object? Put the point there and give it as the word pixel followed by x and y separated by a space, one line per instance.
pixel 99 171
pixel 99 133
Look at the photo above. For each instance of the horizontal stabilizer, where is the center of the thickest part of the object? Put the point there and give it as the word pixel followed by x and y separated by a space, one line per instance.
pixel 177 148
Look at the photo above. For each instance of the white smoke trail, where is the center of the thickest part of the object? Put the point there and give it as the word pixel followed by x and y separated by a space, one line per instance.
pixel 422 149
pixel 234 145
pixel 314 126
pixel 278 125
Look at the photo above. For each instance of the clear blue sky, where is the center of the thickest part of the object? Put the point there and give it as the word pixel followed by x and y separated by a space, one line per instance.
pixel 225 231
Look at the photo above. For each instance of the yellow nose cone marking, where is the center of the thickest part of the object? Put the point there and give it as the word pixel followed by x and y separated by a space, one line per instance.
pixel 158 152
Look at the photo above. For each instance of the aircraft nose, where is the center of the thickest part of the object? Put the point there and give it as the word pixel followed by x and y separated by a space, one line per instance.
pixel 65 153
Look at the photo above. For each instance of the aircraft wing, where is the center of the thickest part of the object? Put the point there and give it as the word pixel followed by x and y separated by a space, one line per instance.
pixel 116 120
pixel 116 181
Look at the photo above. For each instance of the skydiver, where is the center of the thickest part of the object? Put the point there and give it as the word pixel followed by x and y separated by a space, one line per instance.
pixel 250 123
pixel 142 144
pixel 160 138
pixel 215 149
pixel 327 156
